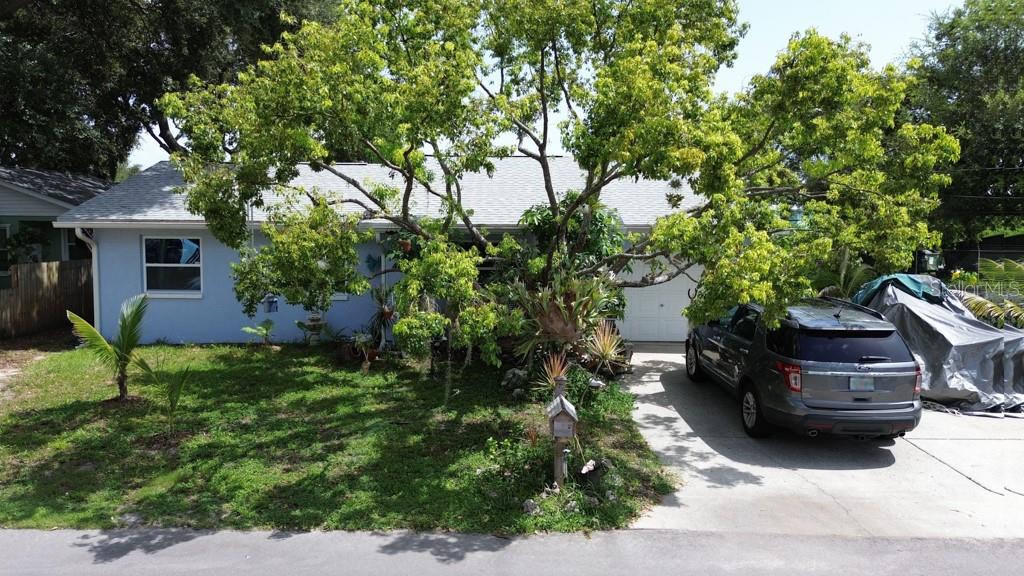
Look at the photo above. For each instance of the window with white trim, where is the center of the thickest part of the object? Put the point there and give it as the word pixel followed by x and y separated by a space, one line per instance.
pixel 172 266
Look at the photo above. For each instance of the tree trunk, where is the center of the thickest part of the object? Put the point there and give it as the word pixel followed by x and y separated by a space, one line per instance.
pixel 122 386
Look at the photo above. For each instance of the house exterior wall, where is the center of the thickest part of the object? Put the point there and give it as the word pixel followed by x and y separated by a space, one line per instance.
pixel 216 316
pixel 13 203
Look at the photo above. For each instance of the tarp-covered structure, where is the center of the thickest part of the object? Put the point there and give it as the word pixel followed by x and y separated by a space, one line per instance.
pixel 965 362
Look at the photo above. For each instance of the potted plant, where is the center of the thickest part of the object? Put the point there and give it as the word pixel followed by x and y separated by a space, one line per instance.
pixel 364 342
pixel 383 316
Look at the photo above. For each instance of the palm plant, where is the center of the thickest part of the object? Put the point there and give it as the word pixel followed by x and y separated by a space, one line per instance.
pixel 982 308
pixel 172 387
pixel 847 276
pixel 120 353
pixel 262 330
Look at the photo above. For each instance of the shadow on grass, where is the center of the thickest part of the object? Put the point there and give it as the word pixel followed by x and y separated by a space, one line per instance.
pixel 286 440
pixel 282 440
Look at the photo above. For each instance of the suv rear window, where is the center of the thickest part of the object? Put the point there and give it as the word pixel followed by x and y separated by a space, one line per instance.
pixel 847 346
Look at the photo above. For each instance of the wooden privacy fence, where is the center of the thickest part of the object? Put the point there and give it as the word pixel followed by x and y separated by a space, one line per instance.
pixel 40 294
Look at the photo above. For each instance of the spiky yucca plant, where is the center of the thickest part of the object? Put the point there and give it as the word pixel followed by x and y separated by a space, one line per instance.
pixel 555 364
pixel 605 347
pixel 120 353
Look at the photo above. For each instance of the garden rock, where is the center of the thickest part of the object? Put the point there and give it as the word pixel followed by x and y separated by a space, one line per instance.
pixel 514 378
pixel 531 507
pixel 572 507
pixel 129 520
pixel 590 501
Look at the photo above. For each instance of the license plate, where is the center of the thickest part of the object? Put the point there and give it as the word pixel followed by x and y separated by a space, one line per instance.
pixel 862 384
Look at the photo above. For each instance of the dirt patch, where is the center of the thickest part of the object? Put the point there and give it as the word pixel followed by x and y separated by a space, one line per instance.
pixel 17 353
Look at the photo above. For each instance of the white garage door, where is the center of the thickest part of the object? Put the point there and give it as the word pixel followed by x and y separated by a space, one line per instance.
pixel 654 313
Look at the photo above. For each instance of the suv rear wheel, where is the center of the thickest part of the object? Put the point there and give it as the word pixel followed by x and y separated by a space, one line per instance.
pixel 693 369
pixel 751 414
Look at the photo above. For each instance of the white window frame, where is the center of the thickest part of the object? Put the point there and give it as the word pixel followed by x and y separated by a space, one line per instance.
pixel 6 228
pixel 184 294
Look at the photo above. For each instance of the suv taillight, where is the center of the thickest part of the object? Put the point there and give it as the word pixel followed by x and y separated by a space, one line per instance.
pixel 790 375
pixel 917 381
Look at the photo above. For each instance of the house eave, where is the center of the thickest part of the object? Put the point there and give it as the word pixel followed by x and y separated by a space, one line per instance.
pixel 128 224
pixel 37 196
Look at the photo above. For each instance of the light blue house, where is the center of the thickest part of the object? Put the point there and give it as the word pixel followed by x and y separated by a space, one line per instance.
pixel 144 240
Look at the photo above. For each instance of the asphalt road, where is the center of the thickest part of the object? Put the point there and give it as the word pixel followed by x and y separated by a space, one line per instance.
pixel 633 552
pixel 952 477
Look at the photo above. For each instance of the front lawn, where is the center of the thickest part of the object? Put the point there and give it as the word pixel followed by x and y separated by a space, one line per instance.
pixel 286 439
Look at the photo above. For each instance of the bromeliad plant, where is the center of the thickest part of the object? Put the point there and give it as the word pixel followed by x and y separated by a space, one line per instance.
pixel 555 364
pixel 119 354
pixel 561 314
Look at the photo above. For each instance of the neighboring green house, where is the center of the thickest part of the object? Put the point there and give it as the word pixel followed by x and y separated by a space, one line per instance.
pixel 30 200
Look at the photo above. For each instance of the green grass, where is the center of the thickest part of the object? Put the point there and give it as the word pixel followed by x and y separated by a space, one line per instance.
pixel 286 439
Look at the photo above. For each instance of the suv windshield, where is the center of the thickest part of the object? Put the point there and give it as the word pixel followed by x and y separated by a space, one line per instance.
pixel 844 346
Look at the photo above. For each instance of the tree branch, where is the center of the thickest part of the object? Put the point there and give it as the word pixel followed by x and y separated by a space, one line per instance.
pixel 760 144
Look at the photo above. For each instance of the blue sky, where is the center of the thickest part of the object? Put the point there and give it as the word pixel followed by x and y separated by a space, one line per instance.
pixel 888 26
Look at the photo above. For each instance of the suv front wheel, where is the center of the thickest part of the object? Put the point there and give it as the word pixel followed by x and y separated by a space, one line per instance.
pixel 693 369
pixel 751 414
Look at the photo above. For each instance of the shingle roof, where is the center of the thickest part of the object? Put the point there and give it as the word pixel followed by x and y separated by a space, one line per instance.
pixel 61 186
pixel 498 200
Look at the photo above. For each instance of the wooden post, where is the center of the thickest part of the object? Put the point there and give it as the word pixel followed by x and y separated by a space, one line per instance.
pixel 563 419
pixel 560 467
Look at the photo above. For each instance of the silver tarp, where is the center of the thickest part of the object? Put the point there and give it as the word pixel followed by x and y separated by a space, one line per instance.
pixel 966 363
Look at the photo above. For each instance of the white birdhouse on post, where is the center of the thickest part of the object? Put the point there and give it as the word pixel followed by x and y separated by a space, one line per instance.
pixel 563 419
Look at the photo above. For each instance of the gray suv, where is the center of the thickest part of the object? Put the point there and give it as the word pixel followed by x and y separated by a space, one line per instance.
pixel 831 366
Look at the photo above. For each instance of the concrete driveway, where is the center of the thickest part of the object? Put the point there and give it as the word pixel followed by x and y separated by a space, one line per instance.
pixel 954 476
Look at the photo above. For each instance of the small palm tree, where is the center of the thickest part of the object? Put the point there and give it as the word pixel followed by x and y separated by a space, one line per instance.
pixel 117 355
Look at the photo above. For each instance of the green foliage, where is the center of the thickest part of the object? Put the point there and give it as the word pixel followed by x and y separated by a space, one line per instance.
pixel 562 313
pixel 818 136
pixel 982 308
pixel 288 440
pixel 592 233
pixel 813 157
pixel 120 353
pixel 263 330
pixel 172 385
pixel 312 254
pixel 963 277
pixel 415 332
pixel 970 74
pixel 105 63
pixel 844 275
